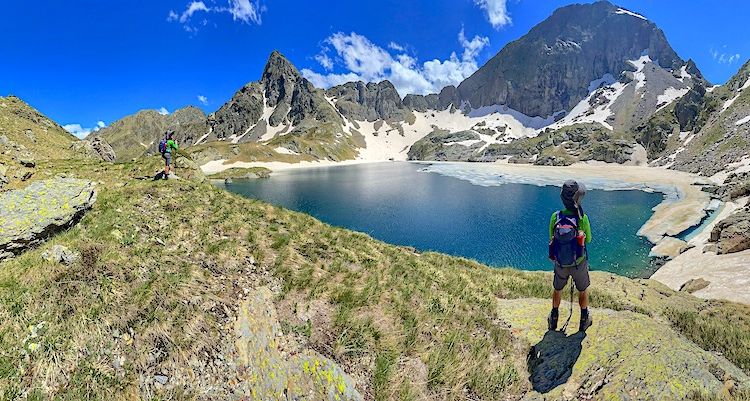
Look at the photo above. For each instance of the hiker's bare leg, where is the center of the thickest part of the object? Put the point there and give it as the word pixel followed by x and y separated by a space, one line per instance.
pixel 583 299
pixel 556 298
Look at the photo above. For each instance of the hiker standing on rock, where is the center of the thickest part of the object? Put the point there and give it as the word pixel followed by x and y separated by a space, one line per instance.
pixel 166 147
pixel 570 233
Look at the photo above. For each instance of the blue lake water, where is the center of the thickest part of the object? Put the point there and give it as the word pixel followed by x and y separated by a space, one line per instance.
pixel 505 225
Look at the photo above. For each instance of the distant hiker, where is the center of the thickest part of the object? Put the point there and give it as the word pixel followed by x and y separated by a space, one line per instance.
pixel 570 233
pixel 166 147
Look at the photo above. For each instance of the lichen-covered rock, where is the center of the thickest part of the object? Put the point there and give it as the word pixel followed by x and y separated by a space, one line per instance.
pixel 623 356
pixel 269 372
pixel 29 216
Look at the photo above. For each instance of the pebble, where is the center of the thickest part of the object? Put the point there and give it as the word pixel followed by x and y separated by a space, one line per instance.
pixel 161 379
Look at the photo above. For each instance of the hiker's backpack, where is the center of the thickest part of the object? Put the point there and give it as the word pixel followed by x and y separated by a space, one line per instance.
pixel 163 146
pixel 565 248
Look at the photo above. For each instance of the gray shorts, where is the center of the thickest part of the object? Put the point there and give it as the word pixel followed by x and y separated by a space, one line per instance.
pixel 580 276
pixel 167 158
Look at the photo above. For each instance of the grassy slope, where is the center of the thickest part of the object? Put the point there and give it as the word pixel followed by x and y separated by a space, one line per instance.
pixel 378 308
pixel 50 140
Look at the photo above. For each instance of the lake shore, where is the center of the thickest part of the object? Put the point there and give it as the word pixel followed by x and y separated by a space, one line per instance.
pixel 684 207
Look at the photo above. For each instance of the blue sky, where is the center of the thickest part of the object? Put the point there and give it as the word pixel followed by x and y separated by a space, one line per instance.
pixel 90 61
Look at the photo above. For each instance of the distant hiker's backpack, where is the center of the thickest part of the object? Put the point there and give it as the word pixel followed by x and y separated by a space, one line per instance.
pixel 163 146
pixel 564 247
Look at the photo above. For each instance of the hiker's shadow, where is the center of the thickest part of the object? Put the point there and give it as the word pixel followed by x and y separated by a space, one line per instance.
pixel 550 361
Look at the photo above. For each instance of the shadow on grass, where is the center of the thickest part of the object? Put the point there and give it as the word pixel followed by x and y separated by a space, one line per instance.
pixel 550 362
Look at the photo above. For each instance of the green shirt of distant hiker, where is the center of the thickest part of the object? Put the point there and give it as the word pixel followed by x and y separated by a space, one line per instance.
pixel 167 147
pixel 171 145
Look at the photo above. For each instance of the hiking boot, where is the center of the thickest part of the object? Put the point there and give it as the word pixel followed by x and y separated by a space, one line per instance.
pixel 585 322
pixel 552 320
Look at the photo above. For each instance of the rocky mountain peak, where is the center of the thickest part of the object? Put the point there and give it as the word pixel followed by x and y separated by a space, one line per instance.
pixel 550 69
pixel 278 80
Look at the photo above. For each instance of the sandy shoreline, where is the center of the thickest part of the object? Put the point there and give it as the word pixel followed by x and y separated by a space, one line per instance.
pixel 684 207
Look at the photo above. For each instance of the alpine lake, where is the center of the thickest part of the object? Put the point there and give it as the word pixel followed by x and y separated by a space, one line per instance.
pixel 503 225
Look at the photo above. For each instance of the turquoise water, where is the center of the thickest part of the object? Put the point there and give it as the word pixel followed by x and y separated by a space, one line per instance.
pixel 505 225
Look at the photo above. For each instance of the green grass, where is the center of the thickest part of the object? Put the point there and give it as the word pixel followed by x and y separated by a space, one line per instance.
pixel 376 306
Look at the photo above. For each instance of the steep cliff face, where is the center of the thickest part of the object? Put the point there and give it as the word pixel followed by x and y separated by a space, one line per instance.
pixel 551 68
pixel 721 133
pixel 368 102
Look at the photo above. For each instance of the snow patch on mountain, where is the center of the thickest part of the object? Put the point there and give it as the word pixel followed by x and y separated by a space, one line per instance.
pixel 585 112
pixel 628 12
pixel 606 80
pixel 639 76
pixel 284 151
pixel 743 121
pixel 684 74
pixel 526 121
pixel 669 96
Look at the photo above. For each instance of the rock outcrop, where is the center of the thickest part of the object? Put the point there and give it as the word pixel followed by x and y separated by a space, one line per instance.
pixel 720 134
pixel 443 145
pixel 31 215
pixel 270 371
pixel 733 233
pixel 611 360
pixel 94 148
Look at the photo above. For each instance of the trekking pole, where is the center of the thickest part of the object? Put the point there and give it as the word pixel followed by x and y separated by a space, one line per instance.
pixel 565 326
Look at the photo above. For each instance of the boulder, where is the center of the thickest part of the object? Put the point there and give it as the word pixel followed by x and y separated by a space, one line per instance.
pixel 60 254
pixel 31 215
pixel 189 169
pixel 95 148
pixel 694 284
pixel 733 233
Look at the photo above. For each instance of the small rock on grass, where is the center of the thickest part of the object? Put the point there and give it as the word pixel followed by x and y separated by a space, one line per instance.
pixel 60 254
pixel 161 379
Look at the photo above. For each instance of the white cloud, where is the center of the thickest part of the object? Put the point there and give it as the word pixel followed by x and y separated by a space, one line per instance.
pixel 366 61
pixel 163 111
pixel 497 12
pixel 397 47
pixel 722 57
pixel 325 61
pixel 203 99
pixel 245 11
pixel 81 132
